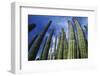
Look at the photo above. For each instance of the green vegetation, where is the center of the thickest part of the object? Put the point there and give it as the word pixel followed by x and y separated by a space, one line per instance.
pixel 73 47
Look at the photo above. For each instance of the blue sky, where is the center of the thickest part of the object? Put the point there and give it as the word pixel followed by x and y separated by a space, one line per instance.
pixel 58 22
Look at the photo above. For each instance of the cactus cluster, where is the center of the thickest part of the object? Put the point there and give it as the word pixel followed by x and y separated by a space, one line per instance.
pixel 73 47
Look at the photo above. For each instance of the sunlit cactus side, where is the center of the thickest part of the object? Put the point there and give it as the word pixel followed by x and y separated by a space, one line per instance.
pixel 33 52
pixel 71 43
pixel 58 45
pixel 50 51
pixel 34 38
pixel 49 54
pixel 61 48
pixel 65 45
pixel 43 47
pixel 47 47
pixel 81 40
pixel 31 27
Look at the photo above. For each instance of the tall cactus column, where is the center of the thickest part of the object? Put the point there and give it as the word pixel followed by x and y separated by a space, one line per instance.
pixel 71 44
pixel 65 46
pixel 55 50
pixel 29 45
pixel 33 52
pixel 43 47
pixel 58 45
pixel 61 47
pixel 46 49
pixel 81 40
pixel 51 53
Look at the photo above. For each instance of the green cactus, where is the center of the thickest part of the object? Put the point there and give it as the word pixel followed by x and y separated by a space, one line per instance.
pixel 50 54
pixel 58 45
pixel 43 47
pixel 61 48
pixel 46 49
pixel 55 50
pixel 32 54
pixel 81 40
pixel 65 46
pixel 29 46
pixel 72 51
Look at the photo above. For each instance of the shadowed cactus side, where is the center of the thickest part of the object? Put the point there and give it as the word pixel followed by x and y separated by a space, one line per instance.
pixel 34 38
pixel 55 50
pixel 43 47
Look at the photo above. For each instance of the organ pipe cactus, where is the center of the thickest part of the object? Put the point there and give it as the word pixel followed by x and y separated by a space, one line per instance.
pixel 59 40
pixel 71 44
pixel 47 47
pixel 33 52
pixel 65 46
pixel 81 40
pixel 61 48
pixel 43 47
pixel 55 44
pixel 34 38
